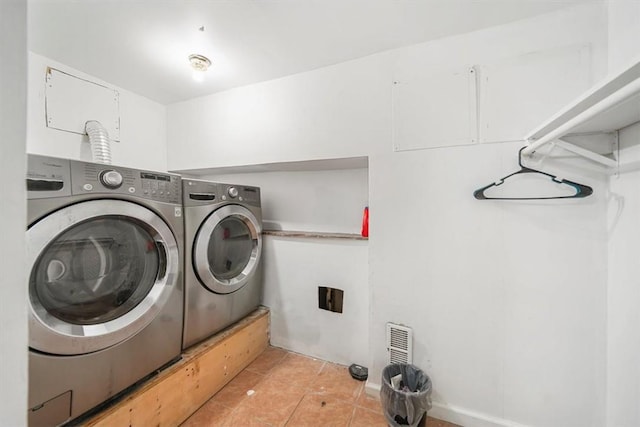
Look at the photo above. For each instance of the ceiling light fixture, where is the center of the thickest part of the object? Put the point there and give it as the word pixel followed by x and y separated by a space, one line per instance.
pixel 200 64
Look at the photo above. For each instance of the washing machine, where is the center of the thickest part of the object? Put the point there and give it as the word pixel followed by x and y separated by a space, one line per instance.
pixel 223 247
pixel 105 285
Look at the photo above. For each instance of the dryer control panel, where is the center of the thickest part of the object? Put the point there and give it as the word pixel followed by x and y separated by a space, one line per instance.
pixel 240 193
pixel 96 178
pixel 201 193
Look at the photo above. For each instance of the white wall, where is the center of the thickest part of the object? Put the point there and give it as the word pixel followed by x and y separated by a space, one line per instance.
pixel 13 293
pixel 624 293
pixel 142 124
pixel 294 268
pixel 624 33
pixel 338 111
pixel 506 299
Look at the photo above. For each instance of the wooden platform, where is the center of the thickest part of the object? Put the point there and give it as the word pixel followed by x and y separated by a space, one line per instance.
pixel 173 395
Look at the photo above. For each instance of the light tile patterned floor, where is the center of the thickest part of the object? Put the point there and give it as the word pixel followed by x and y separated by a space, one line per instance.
pixel 293 390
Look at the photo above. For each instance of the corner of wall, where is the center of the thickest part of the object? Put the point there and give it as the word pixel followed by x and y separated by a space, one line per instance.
pixel 13 297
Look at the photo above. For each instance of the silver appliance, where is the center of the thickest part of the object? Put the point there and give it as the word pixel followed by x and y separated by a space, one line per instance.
pixel 105 284
pixel 223 246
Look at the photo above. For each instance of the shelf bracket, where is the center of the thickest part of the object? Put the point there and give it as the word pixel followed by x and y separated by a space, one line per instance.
pixel 598 158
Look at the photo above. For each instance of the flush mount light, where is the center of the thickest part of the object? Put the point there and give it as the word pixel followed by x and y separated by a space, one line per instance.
pixel 200 64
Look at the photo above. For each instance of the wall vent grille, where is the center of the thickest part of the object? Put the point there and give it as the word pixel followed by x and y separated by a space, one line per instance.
pixel 399 343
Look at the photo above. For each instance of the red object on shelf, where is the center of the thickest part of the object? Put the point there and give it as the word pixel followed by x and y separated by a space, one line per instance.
pixel 365 222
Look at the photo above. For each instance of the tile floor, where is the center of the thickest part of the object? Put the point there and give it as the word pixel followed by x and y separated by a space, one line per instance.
pixel 293 390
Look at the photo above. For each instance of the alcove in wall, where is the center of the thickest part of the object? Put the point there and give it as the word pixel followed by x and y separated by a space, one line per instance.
pixel 314 198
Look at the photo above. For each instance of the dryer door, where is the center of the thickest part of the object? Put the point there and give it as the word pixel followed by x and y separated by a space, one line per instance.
pixel 101 270
pixel 227 249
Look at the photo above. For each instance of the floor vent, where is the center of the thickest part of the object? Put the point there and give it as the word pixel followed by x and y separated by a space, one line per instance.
pixel 399 343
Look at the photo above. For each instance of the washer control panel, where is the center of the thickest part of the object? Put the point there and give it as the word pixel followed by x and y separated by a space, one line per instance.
pixel 47 177
pixel 161 186
pixel 95 178
pixel 110 178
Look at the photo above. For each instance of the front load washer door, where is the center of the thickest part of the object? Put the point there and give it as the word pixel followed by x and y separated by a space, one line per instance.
pixel 227 249
pixel 101 271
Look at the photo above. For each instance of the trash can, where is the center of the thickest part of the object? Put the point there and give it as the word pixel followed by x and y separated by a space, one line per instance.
pixel 405 395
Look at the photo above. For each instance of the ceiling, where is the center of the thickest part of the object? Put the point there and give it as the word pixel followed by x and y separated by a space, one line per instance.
pixel 143 45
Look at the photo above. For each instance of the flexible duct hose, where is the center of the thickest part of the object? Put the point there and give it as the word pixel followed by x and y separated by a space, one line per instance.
pixel 99 140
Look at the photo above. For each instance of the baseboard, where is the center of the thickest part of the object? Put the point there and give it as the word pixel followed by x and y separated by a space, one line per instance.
pixel 467 418
pixel 372 389
pixel 454 414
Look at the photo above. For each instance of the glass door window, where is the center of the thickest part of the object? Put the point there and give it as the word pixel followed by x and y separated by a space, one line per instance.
pixel 96 271
pixel 230 248
pixel 227 248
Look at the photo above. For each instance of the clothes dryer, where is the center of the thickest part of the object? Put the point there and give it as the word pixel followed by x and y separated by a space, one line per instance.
pixel 105 285
pixel 223 242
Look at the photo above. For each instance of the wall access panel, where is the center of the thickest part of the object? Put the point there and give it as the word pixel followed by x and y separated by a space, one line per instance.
pixel 433 108
pixel 72 101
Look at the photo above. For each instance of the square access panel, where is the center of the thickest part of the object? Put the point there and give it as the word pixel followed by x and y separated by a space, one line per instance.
pixel 71 101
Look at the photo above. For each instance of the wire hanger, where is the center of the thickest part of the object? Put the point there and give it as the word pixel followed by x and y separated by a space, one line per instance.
pixel 581 190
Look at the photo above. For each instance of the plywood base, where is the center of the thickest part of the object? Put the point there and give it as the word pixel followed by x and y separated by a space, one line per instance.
pixel 171 397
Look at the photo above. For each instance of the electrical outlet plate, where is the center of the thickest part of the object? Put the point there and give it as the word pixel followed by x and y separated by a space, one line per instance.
pixel 330 299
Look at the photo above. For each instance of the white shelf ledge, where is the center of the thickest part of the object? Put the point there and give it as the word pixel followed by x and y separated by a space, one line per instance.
pixel 605 109
pixel 313 235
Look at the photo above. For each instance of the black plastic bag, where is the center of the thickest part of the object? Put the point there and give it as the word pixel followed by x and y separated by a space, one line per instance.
pixel 408 404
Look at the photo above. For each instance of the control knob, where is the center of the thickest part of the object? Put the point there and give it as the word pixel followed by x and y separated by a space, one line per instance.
pixel 111 179
pixel 233 192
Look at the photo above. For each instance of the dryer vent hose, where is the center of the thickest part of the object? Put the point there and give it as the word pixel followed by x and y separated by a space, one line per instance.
pixel 99 140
